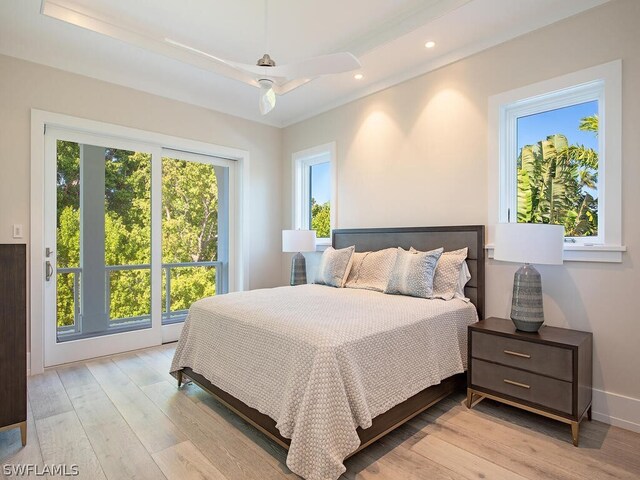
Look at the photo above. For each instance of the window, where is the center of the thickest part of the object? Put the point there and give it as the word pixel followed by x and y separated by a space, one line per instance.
pixel 314 205
pixel 558 154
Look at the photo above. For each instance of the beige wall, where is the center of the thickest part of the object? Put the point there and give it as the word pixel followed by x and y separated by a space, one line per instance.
pixel 25 85
pixel 416 154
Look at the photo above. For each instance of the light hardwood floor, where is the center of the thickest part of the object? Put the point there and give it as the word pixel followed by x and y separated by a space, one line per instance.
pixel 122 417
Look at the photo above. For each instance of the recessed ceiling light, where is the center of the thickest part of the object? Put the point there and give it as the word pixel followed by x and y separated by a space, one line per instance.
pixel 430 44
pixel 358 76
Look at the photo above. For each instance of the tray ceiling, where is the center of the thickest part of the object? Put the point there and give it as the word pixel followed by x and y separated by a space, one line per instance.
pixel 122 41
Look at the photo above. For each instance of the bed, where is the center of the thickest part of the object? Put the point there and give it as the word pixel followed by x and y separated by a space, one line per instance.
pixel 324 372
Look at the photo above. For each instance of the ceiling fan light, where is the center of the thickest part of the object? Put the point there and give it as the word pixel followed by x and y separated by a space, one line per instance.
pixel 267 98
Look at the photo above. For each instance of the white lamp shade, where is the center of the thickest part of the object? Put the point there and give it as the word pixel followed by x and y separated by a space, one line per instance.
pixel 535 243
pixel 298 240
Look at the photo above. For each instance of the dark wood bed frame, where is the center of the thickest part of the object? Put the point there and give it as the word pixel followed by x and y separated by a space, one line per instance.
pixel 372 239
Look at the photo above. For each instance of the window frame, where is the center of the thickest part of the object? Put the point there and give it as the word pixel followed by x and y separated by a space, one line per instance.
pixel 602 83
pixel 302 163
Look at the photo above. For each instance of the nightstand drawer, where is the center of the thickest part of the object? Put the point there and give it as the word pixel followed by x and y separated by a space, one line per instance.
pixel 543 391
pixel 545 359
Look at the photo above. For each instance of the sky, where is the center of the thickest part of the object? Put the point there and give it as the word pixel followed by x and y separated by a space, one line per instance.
pixel 533 128
pixel 320 182
pixel 539 126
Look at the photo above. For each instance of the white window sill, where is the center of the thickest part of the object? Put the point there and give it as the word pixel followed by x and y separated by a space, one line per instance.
pixel 585 253
pixel 322 244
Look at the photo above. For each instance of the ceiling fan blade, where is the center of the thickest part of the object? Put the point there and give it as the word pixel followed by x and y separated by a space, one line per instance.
pixel 323 65
pixel 308 68
pixel 238 73
pixel 289 85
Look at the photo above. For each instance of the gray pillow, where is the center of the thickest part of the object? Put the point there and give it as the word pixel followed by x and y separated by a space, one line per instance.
pixel 335 266
pixel 413 272
pixel 371 270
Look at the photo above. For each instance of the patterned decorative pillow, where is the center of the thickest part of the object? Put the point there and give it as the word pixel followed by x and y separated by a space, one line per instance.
pixel 447 276
pixel 371 270
pixel 357 259
pixel 335 266
pixel 448 271
pixel 412 273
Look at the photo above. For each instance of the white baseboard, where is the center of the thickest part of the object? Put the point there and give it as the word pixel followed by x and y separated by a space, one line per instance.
pixel 617 410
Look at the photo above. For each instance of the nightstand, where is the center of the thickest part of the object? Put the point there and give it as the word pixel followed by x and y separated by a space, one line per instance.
pixel 548 372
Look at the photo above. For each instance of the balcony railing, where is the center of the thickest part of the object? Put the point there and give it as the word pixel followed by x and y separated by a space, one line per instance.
pixel 168 316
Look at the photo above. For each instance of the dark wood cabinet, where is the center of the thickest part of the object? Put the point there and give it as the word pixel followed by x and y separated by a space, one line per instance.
pixel 13 338
pixel 548 372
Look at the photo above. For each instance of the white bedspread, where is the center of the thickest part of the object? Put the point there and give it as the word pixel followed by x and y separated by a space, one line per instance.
pixel 322 361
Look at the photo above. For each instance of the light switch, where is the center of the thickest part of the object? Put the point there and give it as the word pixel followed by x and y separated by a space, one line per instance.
pixel 17 230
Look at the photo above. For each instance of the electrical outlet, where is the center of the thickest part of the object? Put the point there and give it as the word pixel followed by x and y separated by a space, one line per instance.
pixel 17 230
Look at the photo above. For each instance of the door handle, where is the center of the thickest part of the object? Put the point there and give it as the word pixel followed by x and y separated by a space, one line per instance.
pixel 49 270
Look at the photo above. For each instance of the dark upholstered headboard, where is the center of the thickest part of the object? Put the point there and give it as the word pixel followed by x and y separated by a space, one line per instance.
pixel 425 238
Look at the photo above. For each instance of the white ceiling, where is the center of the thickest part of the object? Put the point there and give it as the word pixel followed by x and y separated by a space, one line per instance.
pixel 388 37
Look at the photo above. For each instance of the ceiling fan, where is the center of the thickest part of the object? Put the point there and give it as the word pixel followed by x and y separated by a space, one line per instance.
pixel 272 79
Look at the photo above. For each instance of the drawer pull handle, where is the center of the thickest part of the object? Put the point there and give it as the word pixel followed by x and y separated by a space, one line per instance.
pixel 517 384
pixel 516 354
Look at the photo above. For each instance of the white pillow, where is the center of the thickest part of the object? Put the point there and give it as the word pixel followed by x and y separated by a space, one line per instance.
pixel 371 270
pixel 446 281
pixel 335 266
pixel 412 273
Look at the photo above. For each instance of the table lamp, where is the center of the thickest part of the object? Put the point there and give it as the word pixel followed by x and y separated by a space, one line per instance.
pixel 298 241
pixel 528 243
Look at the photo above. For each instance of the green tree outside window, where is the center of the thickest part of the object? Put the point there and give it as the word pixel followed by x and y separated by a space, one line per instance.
pixel 555 181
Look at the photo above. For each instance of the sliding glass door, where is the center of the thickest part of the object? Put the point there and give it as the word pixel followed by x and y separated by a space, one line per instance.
pixel 195 231
pixel 134 234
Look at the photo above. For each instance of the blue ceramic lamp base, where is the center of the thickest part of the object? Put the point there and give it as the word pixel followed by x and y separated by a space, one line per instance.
pixel 526 305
